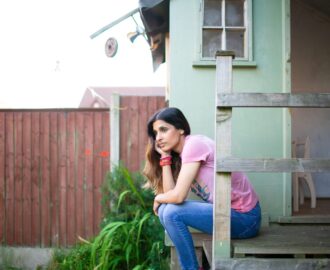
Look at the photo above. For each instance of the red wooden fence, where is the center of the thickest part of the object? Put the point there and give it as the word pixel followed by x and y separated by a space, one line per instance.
pixel 134 114
pixel 52 164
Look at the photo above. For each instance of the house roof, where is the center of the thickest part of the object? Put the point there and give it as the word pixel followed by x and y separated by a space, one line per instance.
pixel 100 97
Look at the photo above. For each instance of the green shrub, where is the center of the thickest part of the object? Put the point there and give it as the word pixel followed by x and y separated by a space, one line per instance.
pixel 75 258
pixel 131 236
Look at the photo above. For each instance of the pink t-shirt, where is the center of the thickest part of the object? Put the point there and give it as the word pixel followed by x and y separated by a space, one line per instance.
pixel 201 148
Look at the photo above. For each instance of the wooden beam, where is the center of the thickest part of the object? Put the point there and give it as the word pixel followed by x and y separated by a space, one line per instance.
pixel 278 100
pixel 222 186
pixel 272 165
pixel 114 130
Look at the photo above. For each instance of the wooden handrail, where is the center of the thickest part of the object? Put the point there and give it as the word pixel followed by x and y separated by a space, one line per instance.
pixel 272 165
pixel 277 100
pixel 222 187
pixel 225 101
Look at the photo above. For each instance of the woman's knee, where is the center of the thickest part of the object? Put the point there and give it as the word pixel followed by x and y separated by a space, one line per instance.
pixel 161 209
pixel 170 212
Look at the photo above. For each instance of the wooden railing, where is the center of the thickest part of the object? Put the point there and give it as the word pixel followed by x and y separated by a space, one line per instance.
pixel 226 164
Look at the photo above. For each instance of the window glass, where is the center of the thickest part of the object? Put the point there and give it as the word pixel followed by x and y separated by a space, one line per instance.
pixel 235 42
pixel 212 13
pixel 211 42
pixel 225 28
pixel 235 13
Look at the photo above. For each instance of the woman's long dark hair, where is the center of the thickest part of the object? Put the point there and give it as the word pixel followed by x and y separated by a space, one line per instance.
pixel 152 170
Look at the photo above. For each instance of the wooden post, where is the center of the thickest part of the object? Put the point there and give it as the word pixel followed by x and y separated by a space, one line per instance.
pixel 114 130
pixel 222 185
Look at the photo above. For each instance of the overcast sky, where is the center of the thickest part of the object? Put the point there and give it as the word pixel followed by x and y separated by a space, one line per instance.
pixel 47 58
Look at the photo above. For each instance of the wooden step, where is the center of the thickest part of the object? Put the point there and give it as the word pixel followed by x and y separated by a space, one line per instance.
pixel 298 241
pixel 272 264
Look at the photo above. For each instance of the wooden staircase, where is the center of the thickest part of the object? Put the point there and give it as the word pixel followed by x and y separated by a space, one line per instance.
pixel 277 246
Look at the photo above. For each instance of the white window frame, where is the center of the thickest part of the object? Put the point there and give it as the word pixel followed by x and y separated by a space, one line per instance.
pixel 247 60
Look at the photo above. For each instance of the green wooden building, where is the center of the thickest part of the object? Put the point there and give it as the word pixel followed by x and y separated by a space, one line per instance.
pixel 270 41
pixel 281 46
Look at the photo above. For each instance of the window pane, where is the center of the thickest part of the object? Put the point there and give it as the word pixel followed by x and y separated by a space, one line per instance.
pixel 211 42
pixel 212 13
pixel 235 13
pixel 235 42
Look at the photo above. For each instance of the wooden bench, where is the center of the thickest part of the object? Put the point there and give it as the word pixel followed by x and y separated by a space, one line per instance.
pixel 202 243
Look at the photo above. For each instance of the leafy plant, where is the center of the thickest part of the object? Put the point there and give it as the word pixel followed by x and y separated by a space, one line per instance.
pixel 131 236
pixel 76 258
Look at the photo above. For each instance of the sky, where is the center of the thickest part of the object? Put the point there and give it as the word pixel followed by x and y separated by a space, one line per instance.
pixel 48 60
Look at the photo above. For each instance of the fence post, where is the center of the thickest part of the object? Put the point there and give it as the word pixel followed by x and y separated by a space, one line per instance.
pixel 114 130
pixel 222 185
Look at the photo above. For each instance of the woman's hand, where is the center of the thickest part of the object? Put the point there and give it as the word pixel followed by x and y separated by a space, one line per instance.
pixel 155 207
pixel 161 152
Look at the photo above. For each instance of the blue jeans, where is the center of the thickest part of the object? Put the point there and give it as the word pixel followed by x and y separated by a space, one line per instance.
pixel 176 218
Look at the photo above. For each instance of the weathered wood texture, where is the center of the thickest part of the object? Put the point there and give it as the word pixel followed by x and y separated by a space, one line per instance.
pixel 272 264
pixel 273 100
pixel 273 165
pixel 222 187
pixel 286 240
pixel 134 114
pixel 300 245
pixel 202 243
pixel 114 130
pixel 52 163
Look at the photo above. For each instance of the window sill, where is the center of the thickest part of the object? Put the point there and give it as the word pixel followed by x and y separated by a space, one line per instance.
pixel 236 63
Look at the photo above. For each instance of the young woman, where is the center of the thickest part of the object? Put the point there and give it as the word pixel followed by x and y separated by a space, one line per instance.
pixel 176 163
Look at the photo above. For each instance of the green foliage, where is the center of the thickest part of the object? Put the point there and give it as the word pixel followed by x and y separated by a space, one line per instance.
pixel 131 236
pixel 77 258
pixel 123 196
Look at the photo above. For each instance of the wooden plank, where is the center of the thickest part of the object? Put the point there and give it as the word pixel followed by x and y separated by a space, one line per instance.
pixel 97 169
pixel 115 129
pixel 80 188
pixel 27 179
pixel 287 239
pixel 18 225
pixel 2 179
pixel 72 152
pixel 142 125
pixel 305 219
pixel 105 145
pixel 278 100
pixel 153 106
pixel 124 130
pixel 133 135
pixel 10 184
pixel 53 178
pixel 62 178
pixel 272 264
pixel 273 165
pixel 222 188
pixel 45 179
pixel 36 180
pixel 88 174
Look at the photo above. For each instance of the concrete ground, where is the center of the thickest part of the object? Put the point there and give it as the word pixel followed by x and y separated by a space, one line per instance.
pixel 26 258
